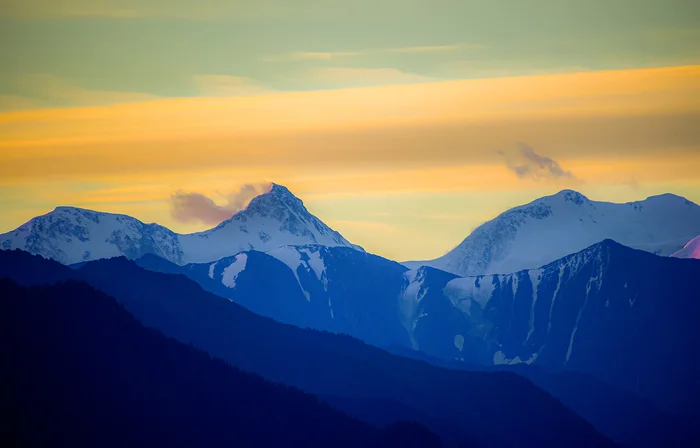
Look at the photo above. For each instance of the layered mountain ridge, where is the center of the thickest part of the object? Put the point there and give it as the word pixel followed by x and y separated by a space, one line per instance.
pixel 609 310
pixel 337 289
pixel 458 405
pixel 597 311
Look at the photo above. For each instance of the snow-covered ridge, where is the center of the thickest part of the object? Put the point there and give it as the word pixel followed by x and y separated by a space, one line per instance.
pixel 690 250
pixel 271 220
pixel 71 235
pixel 552 227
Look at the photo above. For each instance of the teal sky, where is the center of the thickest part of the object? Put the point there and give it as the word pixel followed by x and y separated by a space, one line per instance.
pixel 74 52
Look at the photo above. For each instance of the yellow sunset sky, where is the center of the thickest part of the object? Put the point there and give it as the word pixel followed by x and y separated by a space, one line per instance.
pixel 403 162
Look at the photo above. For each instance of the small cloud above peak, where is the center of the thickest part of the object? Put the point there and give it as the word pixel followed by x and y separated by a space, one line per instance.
pixel 526 163
pixel 196 207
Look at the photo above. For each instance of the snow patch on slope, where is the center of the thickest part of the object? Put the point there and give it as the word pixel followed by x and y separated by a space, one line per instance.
pixel 535 278
pixel 459 342
pixel 409 301
pixel 462 292
pixel 212 267
pixel 290 256
pixel 499 358
pixel 229 274
pixel 315 262
pixel 307 258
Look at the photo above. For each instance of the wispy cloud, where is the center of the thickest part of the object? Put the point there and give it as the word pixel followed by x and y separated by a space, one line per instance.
pixel 528 164
pixel 229 86
pixel 196 207
pixel 339 77
pixel 332 55
pixel 309 56
pixel 433 48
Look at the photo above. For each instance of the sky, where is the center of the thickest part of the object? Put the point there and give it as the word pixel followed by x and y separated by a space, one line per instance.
pixel 401 124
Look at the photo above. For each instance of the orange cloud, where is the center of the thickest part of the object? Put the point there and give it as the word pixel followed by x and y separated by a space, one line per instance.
pixel 610 93
pixel 332 146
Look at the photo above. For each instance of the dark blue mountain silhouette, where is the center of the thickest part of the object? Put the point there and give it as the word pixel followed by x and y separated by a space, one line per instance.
pixel 81 371
pixel 619 314
pixel 623 315
pixel 356 296
pixel 487 408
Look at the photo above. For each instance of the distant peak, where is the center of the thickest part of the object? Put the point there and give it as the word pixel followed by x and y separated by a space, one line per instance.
pixel 277 197
pixel 572 196
pixel 67 208
pixel 667 197
pixel 612 245
pixel 278 189
pixel 609 242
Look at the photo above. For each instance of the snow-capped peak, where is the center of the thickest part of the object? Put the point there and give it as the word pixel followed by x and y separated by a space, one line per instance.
pixel 271 220
pixel 554 226
pixel 571 196
pixel 71 235
pixel 272 202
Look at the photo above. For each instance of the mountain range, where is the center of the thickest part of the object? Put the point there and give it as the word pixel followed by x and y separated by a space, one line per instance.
pixel 549 290
pixel 71 235
pixel 596 311
pixel 552 227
